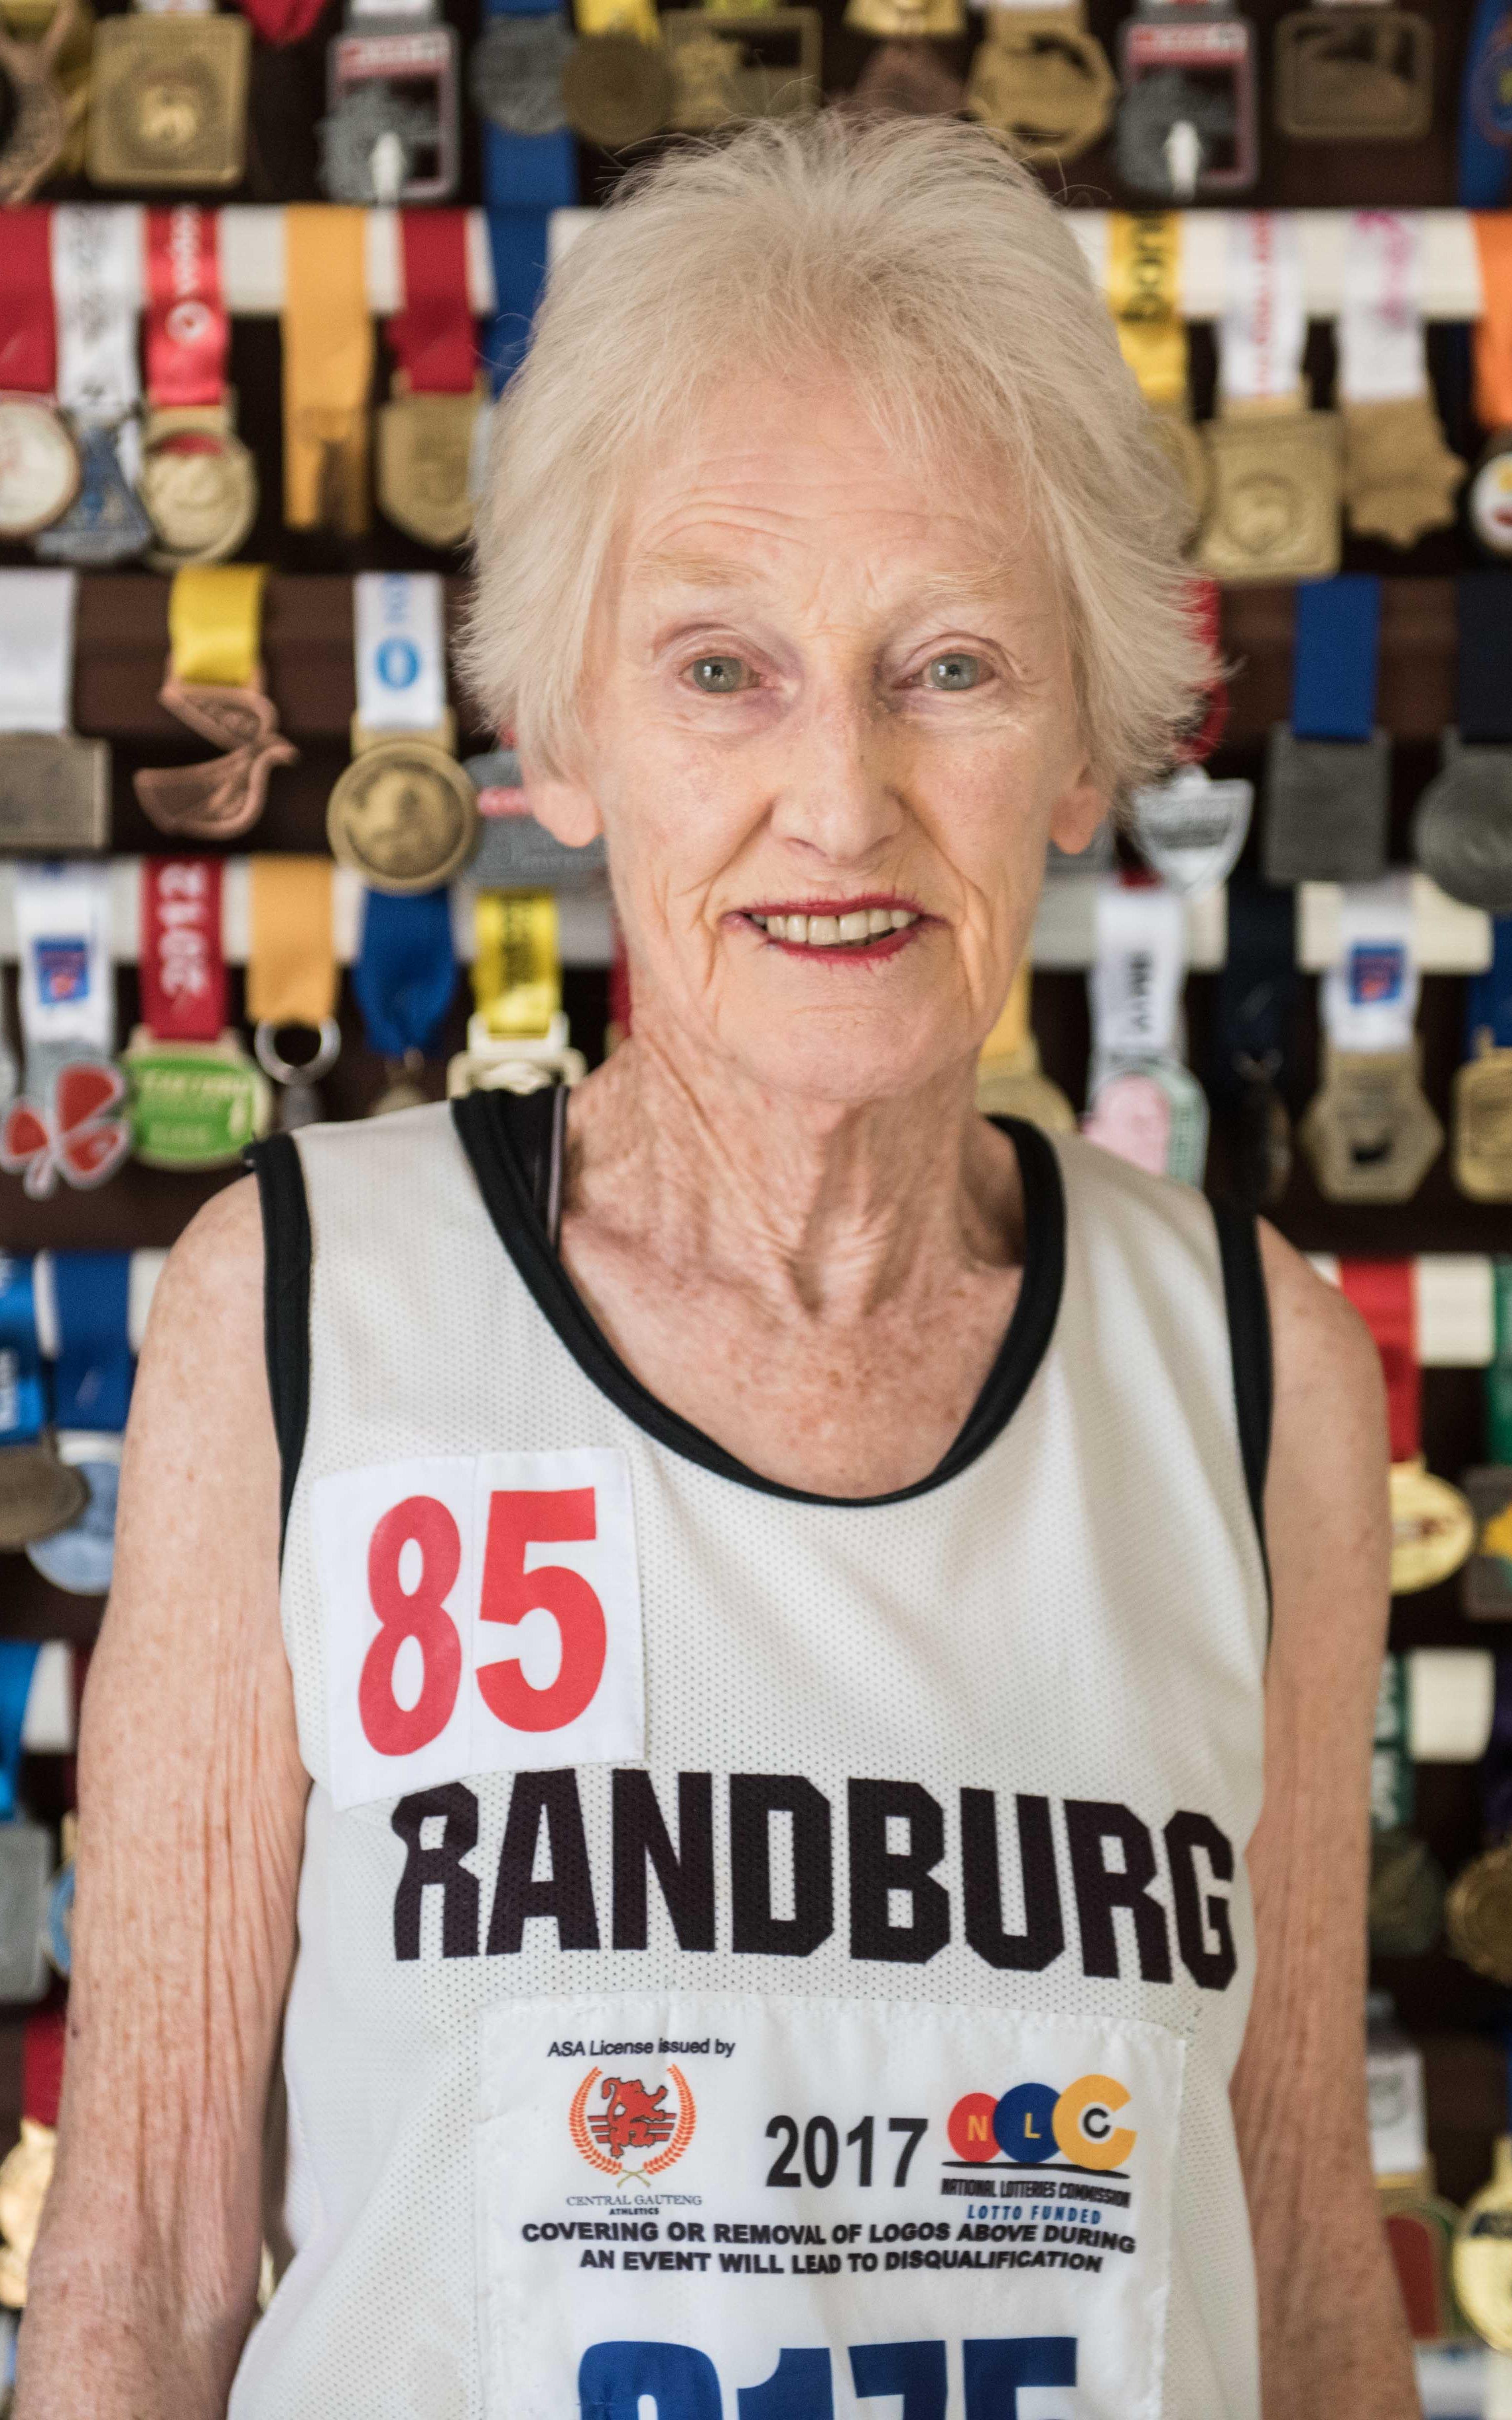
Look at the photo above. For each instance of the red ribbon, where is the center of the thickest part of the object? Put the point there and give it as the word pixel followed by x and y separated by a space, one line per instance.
pixel 284 21
pixel 42 2042
pixel 188 329
pixel 28 329
pixel 183 972
pixel 1204 614
pixel 433 335
pixel 1382 1293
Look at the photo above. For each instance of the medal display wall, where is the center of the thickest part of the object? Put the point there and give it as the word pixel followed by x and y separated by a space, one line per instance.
pixel 313 114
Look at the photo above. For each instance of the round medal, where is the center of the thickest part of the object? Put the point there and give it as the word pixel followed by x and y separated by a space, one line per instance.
pixel 616 90
pixel 1477 1914
pixel 39 466
pixel 38 1493
pixel 1489 498
pixel 199 488
pixel 1483 2255
pixel 1432 1528
pixel 404 815
pixel 1462 830
pixel 514 73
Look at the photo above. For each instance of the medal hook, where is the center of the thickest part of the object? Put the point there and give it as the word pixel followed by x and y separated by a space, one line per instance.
pixel 307 1071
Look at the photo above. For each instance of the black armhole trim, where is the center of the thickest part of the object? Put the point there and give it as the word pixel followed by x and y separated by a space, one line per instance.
pixel 1249 1346
pixel 496 1130
pixel 275 1163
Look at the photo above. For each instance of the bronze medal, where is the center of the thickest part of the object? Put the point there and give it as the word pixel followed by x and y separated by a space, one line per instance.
pixel 38 1494
pixel 168 104
pixel 1432 1528
pixel 617 91
pixel 1354 74
pixel 1274 508
pixel 223 796
pixel 40 472
pixel 55 792
pixel 1483 1126
pixel 424 454
pixel 1370 1131
pixel 1400 479
pixel 1478 1916
pixel 39 124
pixel 1043 81
pixel 198 485
pixel 404 815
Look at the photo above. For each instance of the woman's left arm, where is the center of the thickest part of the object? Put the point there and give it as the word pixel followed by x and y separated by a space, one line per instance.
pixel 1332 2336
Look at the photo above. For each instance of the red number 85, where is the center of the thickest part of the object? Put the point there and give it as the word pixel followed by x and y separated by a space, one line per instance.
pixel 517 1518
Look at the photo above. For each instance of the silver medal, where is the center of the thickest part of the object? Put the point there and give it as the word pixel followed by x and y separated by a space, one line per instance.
pixel 1326 804
pixel 515 73
pixel 105 522
pixel 1462 830
pixel 1192 829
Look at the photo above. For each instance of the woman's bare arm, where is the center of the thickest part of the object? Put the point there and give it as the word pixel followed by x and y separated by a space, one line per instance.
pixel 191 1799
pixel 1333 2338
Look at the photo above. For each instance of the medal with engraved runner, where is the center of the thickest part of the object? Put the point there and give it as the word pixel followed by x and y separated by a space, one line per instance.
pixel 404 814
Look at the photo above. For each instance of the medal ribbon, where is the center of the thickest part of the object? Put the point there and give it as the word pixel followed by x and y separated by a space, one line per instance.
pixel 280 21
pixel 22 1397
pixel 1382 1293
pixel 399 639
pixel 328 368
pixel 1484 161
pixel 28 325
pixel 182 968
pixel 519 239
pixel 1257 983
pixel 405 976
pixel 1205 611
pixel 1382 357
pixel 188 326
pixel 1144 287
pixel 96 293
pixel 68 993
pixel 37 623
pixel 215 624
pixel 432 335
pixel 1137 973
pixel 1369 994
pixel 18 1663
pixel 1482 618
pixel 94 1367
pixel 1336 657
pixel 517 974
pixel 1499 1374
pixel 1264 325
pixel 1494 330
pixel 291 963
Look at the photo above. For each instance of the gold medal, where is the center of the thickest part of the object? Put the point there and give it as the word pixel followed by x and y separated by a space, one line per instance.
pixel 1432 1528
pixel 404 815
pixel 1483 2254
pixel 424 454
pixel 198 485
pixel 40 472
pixel 25 2174
pixel 1273 504
pixel 1483 1126
pixel 1370 1131
pixel 1478 1916
pixel 1400 479
pixel 1043 81
pixel 168 104
pixel 38 1494
pixel 737 65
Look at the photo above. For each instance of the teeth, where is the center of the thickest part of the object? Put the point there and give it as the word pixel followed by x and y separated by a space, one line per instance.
pixel 878 920
pixel 901 916
pixel 854 928
pixel 836 932
pixel 823 930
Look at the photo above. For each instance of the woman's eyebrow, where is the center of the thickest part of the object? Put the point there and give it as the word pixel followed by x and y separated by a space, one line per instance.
pixel 688 571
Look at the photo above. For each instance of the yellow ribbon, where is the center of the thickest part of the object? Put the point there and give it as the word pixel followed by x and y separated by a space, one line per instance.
pixel 517 974
pixel 215 623
pixel 291 960
pixel 328 368
pixel 1144 287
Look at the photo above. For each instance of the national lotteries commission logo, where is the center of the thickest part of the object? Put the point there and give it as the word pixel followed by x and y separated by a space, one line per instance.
pixel 1028 2125
pixel 623 2129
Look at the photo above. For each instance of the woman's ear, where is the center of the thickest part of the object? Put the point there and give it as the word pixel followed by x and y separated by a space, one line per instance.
pixel 567 808
pixel 1077 813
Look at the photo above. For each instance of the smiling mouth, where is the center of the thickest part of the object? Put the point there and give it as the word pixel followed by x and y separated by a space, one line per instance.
pixel 854 930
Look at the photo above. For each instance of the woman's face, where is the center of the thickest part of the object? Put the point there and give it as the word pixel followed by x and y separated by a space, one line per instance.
pixel 825 682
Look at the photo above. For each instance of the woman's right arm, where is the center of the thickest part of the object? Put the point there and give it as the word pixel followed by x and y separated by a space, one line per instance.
pixel 192 1800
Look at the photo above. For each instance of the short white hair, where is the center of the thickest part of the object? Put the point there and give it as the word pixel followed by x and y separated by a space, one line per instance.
pixel 919 259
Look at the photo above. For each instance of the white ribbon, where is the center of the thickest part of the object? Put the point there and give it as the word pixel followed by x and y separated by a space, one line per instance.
pixel 1369 994
pixel 97 295
pixel 1379 333
pixel 1264 326
pixel 400 637
pixel 1135 982
pixel 68 990
pixel 36 615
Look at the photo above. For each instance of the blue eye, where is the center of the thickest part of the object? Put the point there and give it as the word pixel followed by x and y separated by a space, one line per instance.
pixel 719 676
pixel 955 671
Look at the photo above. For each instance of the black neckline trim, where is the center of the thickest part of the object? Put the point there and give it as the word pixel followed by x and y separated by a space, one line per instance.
pixel 482 1123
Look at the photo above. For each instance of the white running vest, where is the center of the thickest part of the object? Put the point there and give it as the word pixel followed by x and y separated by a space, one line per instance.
pixel 759 1953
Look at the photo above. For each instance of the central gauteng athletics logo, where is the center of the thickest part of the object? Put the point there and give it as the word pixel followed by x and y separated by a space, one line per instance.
pixel 624 2131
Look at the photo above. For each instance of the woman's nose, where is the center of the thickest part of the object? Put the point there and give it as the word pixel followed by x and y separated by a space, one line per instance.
pixel 837 792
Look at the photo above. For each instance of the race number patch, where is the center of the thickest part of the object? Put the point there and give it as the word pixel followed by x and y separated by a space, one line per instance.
pixel 481 1614
pixel 781 2209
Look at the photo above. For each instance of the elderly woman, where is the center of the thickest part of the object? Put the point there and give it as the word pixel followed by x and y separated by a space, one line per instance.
pixel 735 1686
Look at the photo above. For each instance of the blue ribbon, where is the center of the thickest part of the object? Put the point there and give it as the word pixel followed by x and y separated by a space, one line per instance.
pixel 1484 169
pixel 406 970
pixel 518 238
pixel 1336 657
pixel 18 1661
pixel 92 1382
pixel 1488 996
pixel 22 1400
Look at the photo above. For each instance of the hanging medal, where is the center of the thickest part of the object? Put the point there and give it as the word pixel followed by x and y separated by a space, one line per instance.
pixel 168 97
pixel 1274 505
pixel 391 132
pixel 198 481
pixel 1187 118
pixel 196 1100
pixel 405 980
pixel 1144 294
pixel 1486 1584
pixel 518 1034
pixel 404 814
pixel 1432 1531
pixel 1191 828
pixel 1258 990
pixel 54 787
pixel 1360 72
pixel 1462 830
pixel 529 163
pixel 1483 2243
pixel 89 1317
pixel 1483 1082
pixel 514 71
pixel 1369 1132
pixel 617 86
pixel 292 981
pixel 38 1493
pixel 214 685
pixel 39 78
pixel 1143 1103
pixel 97 295
pixel 731 63
pixel 1009 1081
pixel 1328 776
pixel 66 1122
pixel 39 466
pixel 1400 479
pixel 426 431
pixel 517 853
pixel 1489 497
pixel 328 370
pixel 1042 79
